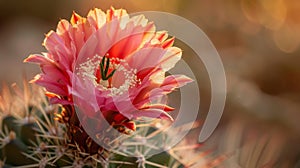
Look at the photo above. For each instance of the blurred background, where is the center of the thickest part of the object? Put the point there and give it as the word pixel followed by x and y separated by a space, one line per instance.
pixel 258 41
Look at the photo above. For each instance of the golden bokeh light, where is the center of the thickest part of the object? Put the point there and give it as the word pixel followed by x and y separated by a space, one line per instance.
pixel 269 13
pixel 287 38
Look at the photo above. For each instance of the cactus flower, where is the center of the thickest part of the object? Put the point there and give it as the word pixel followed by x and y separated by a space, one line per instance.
pixel 118 60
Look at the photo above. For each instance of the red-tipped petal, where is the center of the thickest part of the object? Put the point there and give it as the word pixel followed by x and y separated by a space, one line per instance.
pixel 161 36
pixel 75 18
pixel 168 43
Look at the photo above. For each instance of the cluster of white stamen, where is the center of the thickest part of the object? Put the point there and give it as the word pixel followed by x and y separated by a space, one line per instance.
pixel 87 70
pixel 130 79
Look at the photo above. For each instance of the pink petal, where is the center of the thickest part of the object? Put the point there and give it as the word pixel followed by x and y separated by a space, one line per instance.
pixel 174 81
pixel 153 91
pixel 55 74
pixel 63 28
pixel 146 58
pixel 96 18
pixel 126 46
pixel 172 56
pixel 50 86
pixel 163 107
pixel 39 59
pixel 52 39
pixel 152 113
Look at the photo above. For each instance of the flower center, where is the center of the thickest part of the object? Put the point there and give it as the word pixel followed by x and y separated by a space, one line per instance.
pixel 111 74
